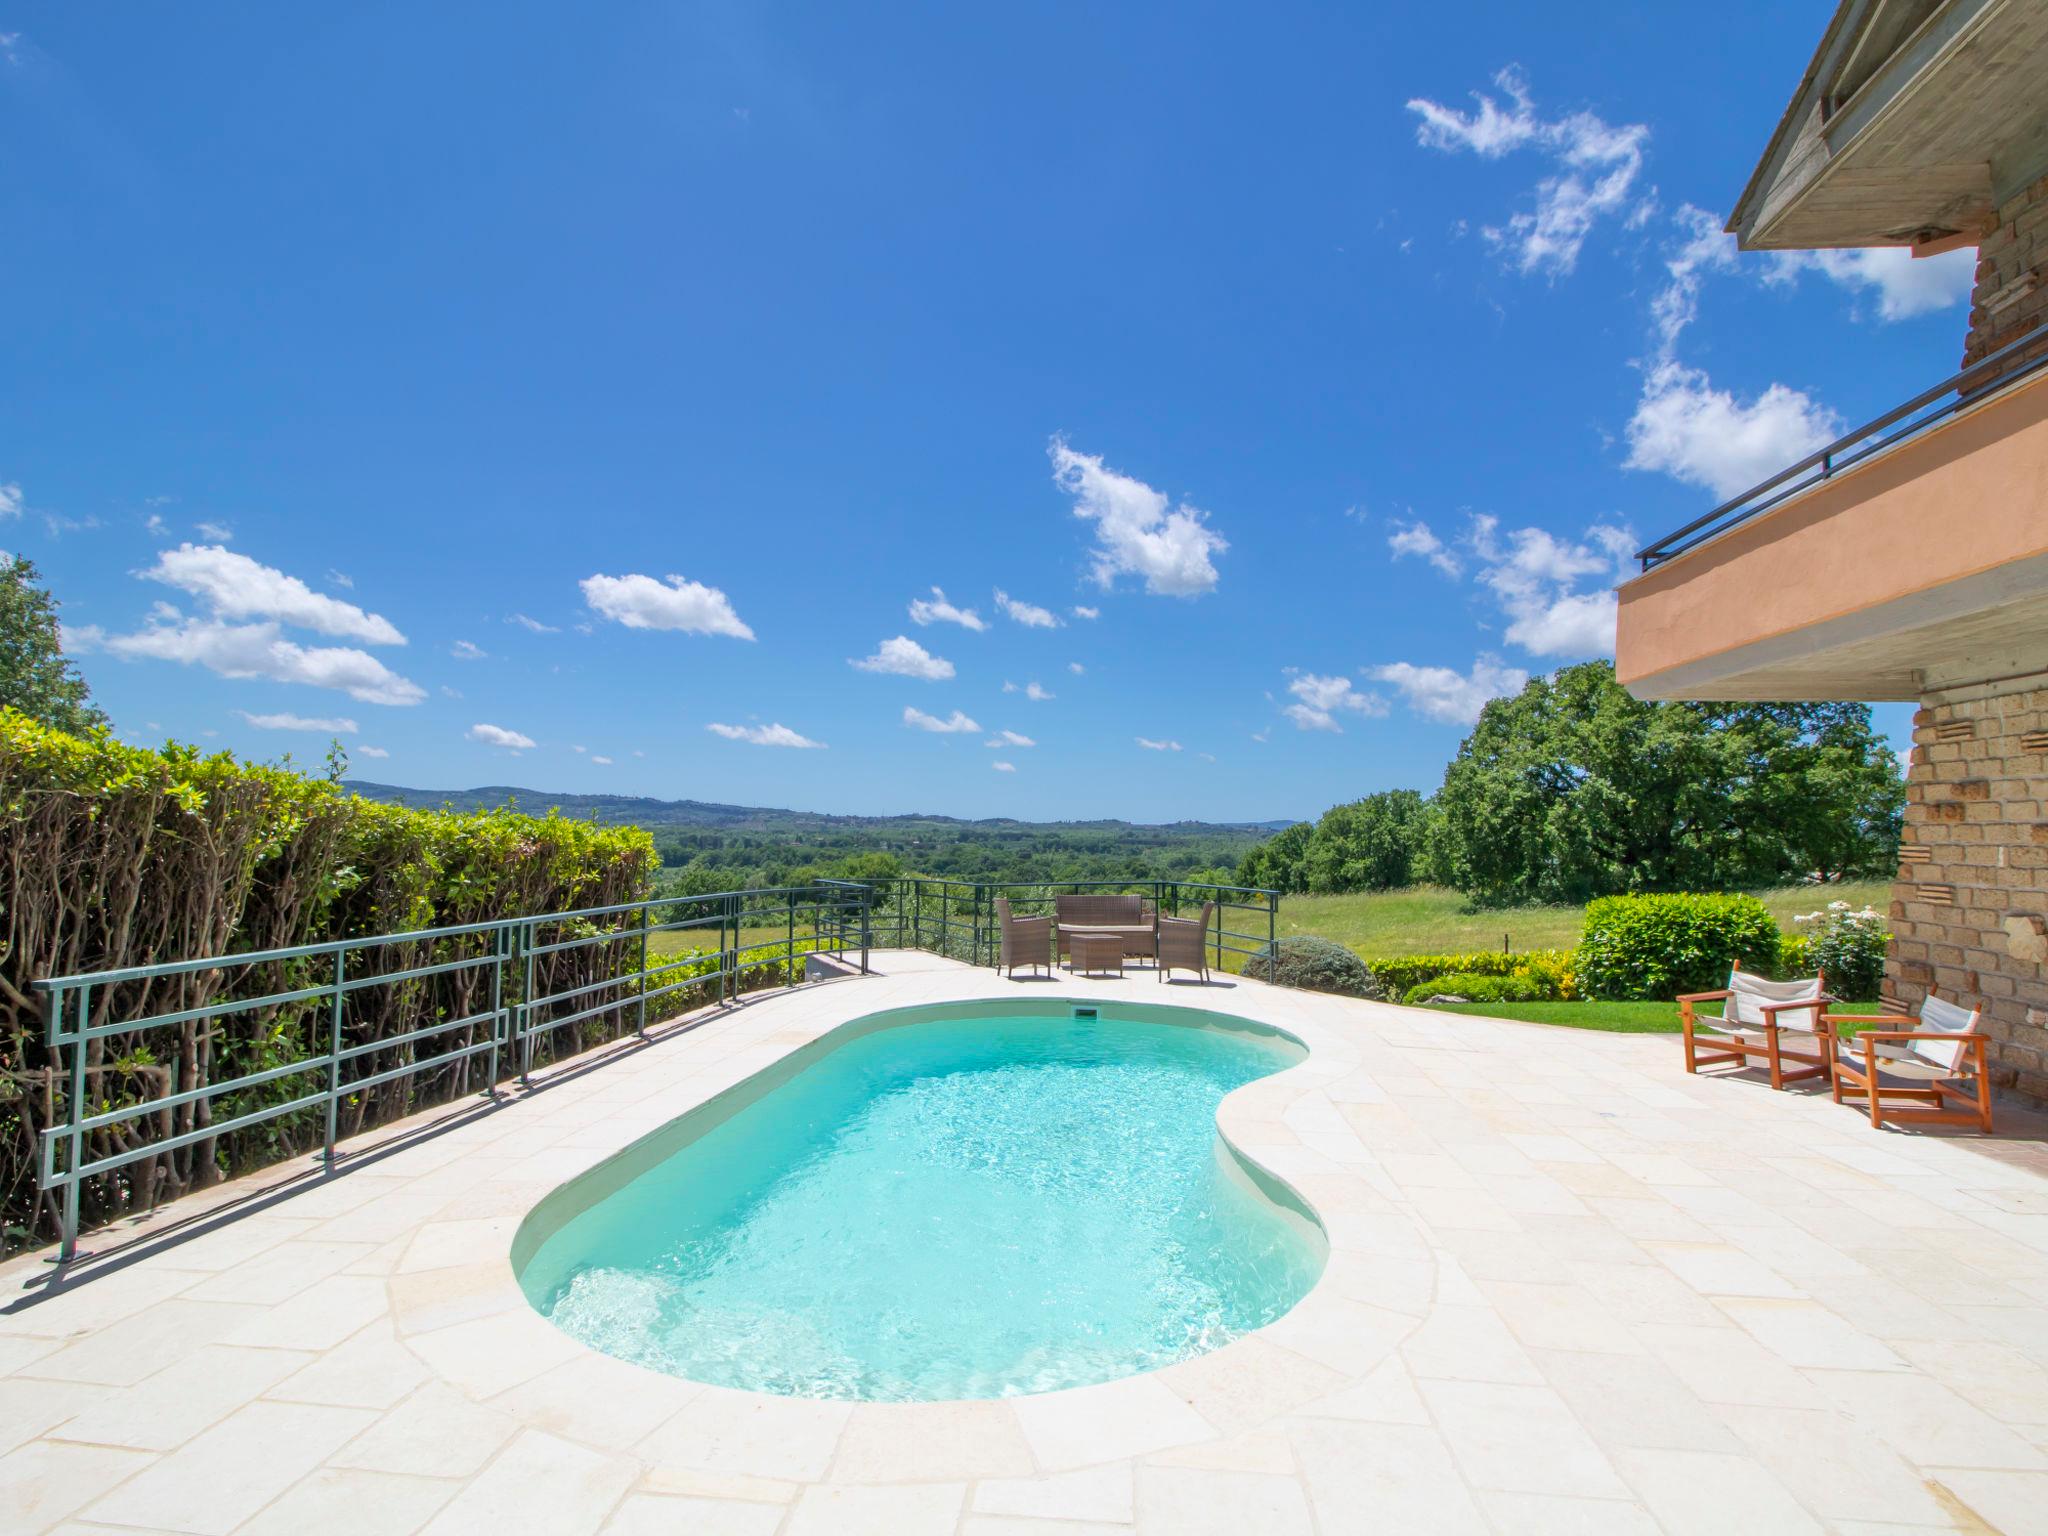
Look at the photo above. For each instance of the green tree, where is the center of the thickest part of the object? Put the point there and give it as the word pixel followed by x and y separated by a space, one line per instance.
pixel 1279 863
pixel 1369 845
pixel 35 675
pixel 1575 789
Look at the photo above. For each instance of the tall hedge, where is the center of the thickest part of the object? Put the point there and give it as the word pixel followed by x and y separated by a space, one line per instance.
pixel 112 856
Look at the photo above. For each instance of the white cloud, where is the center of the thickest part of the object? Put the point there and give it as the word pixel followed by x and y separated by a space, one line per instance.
pixel 1705 436
pixel 1416 539
pixel 600 759
pixel 332 724
pixel 1076 668
pixel 1442 693
pixel 337 579
pixel 1037 694
pixel 904 657
pixel 1001 767
pixel 236 587
pixel 641 602
pixel 10 499
pixel 468 650
pixel 1905 285
pixel 1010 739
pixel 955 724
pixel 220 533
pixel 253 650
pixel 776 735
pixel 1030 615
pixel 1135 532
pixel 1703 247
pixel 1158 746
pixel 1082 611
pixel 153 525
pixel 499 736
pixel 1537 578
pixel 579 749
pixel 1319 700
pixel 1594 167
pixel 534 625
pixel 362 751
pixel 936 610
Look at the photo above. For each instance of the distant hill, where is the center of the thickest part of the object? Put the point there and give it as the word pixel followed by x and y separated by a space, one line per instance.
pixel 656 815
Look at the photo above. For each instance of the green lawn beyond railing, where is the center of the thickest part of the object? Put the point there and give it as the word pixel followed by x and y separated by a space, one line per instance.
pixel 239 1061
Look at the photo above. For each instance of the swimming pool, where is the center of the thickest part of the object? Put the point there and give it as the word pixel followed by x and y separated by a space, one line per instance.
pixel 959 1201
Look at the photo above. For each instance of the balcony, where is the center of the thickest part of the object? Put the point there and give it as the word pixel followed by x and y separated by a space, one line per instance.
pixel 1907 557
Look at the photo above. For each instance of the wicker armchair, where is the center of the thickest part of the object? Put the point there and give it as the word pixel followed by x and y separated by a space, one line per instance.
pixel 1026 940
pixel 1184 943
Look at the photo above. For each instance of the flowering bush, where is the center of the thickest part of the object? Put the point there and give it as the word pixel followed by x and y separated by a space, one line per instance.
pixel 1847 946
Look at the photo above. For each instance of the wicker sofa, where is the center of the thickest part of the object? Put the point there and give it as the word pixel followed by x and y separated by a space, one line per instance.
pixel 1132 918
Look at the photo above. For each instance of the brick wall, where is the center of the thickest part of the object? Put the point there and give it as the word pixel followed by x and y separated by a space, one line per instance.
pixel 1975 857
pixel 2011 294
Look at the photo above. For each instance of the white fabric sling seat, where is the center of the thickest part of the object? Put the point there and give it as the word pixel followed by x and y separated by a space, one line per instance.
pixel 1780 1023
pixel 1926 1071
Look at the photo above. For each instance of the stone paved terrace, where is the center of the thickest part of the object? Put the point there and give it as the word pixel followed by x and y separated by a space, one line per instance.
pixel 1570 1289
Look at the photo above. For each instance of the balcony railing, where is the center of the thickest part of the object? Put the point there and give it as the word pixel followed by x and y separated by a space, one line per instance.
pixel 1997 371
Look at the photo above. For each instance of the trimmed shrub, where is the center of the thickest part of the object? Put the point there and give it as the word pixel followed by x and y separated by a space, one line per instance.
pixel 1654 947
pixel 1400 973
pixel 1477 989
pixel 1847 947
pixel 1315 965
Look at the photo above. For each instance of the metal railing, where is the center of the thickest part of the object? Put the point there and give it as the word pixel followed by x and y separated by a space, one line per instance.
pixel 478 1000
pixel 295 1038
pixel 958 917
pixel 1995 371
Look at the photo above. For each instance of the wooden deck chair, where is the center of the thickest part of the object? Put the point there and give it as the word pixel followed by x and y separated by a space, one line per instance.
pixel 1025 940
pixel 1934 1064
pixel 1775 1022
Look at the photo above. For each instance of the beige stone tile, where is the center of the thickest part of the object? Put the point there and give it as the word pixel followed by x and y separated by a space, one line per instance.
pixel 279 1273
pixel 1520 1439
pixel 1387 1396
pixel 489 1355
pixel 1637 1401
pixel 1468 1344
pixel 538 1483
pixel 1805 1333
pixel 1260 1450
pixel 1011 1525
pixel 1925 1421
pixel 600 1401
pixel 225 1475
pixel 1186 1502
pixel 169 1408
pixel 1087 1425
pixel 1404 1476
pixel 448 1244
pixel 1251 1380
pixel 1720 1269
pixel 1542 1514
pixel 359 1503
pixel 319 1317
pixel 929 1442
pixel 436 1432
pixel 1836 1467
pixel 1097 1495
pixel 927 1509
pixel 45 1480
pixel 1558 1317
pixel 1726 1365
pixel 645 1514
pixel 1703 1493
pixel 725 1431
pixel 425 1300
pixel 2006 1502
pixel 123 1353
pixel 688 1482
pixel 370 1369
pixel 18 1351
pixel 30 1407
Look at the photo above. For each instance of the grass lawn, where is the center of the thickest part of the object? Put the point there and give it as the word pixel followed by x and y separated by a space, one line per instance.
pixel 1617 1018
pixel 1429 920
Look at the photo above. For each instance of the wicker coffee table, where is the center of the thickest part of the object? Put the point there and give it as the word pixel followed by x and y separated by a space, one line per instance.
pixel 1096 952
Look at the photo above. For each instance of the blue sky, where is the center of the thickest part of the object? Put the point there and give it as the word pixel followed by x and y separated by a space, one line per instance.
pixel 593 399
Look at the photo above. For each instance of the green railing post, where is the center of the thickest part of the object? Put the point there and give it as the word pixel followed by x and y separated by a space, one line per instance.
pixel 501 944
pixel 74 1108
pixel 640 982
pixel 789 942
pixel 525 1014
pixel 334 1055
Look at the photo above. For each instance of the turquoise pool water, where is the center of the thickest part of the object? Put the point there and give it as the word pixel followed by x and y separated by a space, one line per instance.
pixel 921 1207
